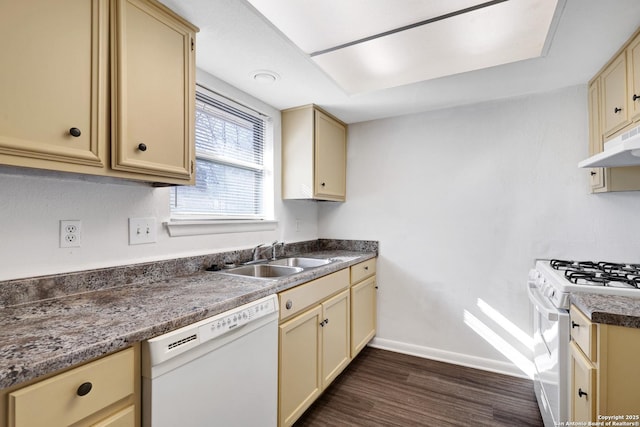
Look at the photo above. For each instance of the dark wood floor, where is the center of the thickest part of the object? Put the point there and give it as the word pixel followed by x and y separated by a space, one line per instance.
pixel 382 388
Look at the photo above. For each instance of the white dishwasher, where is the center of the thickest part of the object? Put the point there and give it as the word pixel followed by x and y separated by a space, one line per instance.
pixel 221 371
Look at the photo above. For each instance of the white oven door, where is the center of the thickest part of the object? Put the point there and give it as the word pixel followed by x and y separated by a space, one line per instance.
pixel 550 357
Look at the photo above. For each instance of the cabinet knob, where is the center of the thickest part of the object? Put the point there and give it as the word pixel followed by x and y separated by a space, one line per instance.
pixel 574 325
pixel 366 268
pixel 75 132
pixel 84 389
pixel 617 110
pixel 142 147
pixel 288 304
pixel 635 97
pixel 581 393
pixel 323 184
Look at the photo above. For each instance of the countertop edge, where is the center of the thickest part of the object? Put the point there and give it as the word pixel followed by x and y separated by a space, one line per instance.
pixel 609 309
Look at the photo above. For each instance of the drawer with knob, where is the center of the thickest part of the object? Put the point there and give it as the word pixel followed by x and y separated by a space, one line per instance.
pixel 301 297
pixel 583 332
pixel 363 270
pixel 76 394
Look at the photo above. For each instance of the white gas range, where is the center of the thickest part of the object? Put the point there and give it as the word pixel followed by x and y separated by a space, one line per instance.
pixel 550 285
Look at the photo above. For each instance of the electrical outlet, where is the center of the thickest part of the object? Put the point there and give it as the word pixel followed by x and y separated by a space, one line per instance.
pixel 70 233
pixel 142 230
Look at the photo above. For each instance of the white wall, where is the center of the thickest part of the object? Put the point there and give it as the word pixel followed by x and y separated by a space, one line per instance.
pixel 33 202
pixel 462 202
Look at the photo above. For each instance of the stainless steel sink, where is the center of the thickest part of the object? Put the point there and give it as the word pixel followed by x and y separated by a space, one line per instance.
pixel 300 262
pixel 265 271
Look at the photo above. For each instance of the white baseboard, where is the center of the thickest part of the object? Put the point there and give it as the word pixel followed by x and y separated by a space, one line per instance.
pixel 497 366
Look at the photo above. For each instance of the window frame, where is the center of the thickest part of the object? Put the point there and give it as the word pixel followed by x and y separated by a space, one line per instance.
pixel 210 223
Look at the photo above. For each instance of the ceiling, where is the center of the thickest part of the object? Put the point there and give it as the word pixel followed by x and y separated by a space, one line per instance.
pixel 393 46
pixel 235 41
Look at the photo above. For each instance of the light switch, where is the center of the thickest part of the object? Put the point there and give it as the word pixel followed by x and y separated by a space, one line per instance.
pixel 142 230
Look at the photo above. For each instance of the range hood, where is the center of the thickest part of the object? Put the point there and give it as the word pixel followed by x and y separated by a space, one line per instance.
pixel 623 150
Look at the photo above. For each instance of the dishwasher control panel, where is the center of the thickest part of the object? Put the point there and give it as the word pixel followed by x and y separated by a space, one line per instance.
pixel 167 346
pixel 236 318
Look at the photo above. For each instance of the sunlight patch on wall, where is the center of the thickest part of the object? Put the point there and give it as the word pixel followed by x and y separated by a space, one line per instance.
pixel 522 361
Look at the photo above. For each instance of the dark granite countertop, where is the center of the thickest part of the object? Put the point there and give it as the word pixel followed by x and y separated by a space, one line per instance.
pixel 41 337
pixel 609 309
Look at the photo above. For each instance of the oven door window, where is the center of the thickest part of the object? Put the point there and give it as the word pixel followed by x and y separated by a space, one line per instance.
pixel 548 333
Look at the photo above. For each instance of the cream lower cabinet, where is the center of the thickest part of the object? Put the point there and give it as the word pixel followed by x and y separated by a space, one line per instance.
pixel 314 342
pixel 56 111
pixel 363 305
pixel 105 392
pixel 604 370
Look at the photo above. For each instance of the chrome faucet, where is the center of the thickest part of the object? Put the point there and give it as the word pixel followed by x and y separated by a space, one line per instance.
pixel 255 255
pixel 274 246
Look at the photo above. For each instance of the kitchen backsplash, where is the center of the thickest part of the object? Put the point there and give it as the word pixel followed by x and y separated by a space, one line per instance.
pixel 21 291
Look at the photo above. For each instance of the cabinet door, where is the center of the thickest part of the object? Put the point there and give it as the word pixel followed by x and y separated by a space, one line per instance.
pixel 633 56
pixel 123 418
pixel 615 114
pixel 597 175
pixel 52 75
pixel 335 337
pixel 363 314
pixel 299 365
pixel 330 158
pixel 152 90
pixel 583 398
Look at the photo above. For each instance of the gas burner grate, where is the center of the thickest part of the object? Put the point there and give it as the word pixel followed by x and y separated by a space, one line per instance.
pixel 563 265
pixel 600 273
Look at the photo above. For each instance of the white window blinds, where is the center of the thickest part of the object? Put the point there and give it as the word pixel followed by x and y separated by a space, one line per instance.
pixel 229 163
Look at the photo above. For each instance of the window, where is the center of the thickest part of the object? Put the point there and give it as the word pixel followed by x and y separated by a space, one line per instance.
pixel 230 163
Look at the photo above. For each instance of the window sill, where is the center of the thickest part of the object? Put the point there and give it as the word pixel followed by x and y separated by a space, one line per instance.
pixel 196 228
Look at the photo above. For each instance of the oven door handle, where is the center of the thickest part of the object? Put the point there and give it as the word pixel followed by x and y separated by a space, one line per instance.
pixel 550 313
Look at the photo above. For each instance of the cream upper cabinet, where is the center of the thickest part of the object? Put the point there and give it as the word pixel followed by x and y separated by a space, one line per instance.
pixel 604 369
pixel 51 80
pixel 615 113
pixel 314 155
pixel 633 61
pixel 595 136
pixel 614 107
pixel 57 112
pixel 152 90
pixel 330 157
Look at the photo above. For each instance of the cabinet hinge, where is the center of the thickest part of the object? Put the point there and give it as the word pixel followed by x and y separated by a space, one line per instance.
pixel 192 43
pixel 192 167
